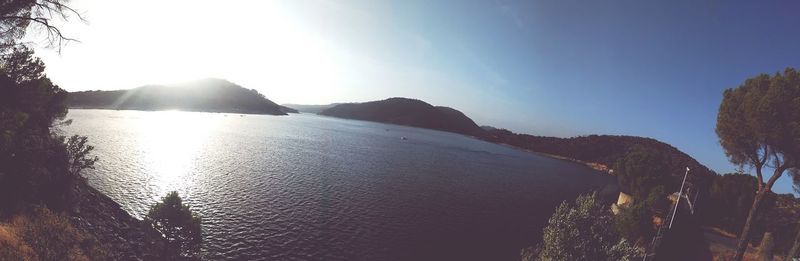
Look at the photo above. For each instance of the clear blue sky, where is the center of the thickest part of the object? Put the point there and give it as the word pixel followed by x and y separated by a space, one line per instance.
pixel 646 68
pixel 560 68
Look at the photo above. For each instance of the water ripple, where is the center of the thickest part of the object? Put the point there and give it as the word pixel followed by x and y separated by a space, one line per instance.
pixel 315 188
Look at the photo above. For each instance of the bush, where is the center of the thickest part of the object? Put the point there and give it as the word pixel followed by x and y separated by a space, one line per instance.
pixel 178 224
pixel 44 235
pixel 634 222
pixel 584 232
pixel 12 247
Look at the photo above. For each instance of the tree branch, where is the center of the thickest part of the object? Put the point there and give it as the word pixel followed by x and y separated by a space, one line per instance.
pixel 53 33
pixel 777 174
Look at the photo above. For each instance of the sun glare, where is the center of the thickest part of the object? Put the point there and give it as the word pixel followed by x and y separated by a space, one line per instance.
pixel 283 58
pixel 170 142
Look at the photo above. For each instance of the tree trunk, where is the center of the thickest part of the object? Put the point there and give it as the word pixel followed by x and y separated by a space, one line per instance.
pixel 766 247
pixel 741 246
pixel 793 252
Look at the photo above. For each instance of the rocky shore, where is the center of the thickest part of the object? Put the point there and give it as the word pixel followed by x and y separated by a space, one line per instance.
pixel 126 237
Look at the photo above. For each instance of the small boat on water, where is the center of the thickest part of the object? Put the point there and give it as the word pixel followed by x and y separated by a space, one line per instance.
pixel 403 138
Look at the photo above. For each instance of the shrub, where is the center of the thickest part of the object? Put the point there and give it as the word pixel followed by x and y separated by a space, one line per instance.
pixel 584 232
pixel 178 224
pixel 634 222
pixel 44 235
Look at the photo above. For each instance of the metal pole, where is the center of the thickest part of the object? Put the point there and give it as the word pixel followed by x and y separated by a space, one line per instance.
pixel 674 212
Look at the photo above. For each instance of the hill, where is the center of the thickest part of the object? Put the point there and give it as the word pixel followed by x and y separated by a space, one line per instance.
pixel 310 108
pixel 605 150
pixel 599 151
pixel 408 112
pixel 208 95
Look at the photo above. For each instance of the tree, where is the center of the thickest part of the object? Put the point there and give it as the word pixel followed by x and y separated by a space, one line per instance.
pixel 584 232
pixel 34 162
pixel 728 206
pixel 78 155
pixel 179 225
pixel 17 15
pixel 641 170
pixel 758 126
pixel 795 173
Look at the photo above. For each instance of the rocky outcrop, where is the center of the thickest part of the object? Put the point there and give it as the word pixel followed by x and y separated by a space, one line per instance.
pixel 129 238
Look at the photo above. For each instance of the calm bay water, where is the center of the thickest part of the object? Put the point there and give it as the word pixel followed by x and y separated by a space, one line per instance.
pixel 306 187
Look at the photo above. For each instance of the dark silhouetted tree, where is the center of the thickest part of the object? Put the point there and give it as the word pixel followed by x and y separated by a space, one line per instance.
pixel 78 155
pixel 178 224
pixel 34 161
pixel 16 16
pixel 758 125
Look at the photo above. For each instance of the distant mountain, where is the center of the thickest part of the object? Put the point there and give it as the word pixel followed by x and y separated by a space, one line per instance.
pixel 288 110
pixel 310 108
pixel 209 95
pixel 409 112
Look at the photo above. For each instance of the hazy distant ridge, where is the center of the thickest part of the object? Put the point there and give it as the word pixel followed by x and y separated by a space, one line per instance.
pixel 209 95
pixel 310 108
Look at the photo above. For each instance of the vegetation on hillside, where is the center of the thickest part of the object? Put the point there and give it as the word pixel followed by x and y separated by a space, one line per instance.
pixel 36 164
pixel 40 234
pixel 607 150
pixel 584 231
pixel 409 112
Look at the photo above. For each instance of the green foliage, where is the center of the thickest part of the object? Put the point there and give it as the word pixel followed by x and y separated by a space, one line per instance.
pixel 759 122
pixel 583 232
pixel 657 199
pixel 634 222
pixel 178 224
pixel 641 170
pixel 758 125
pixel 606 150
pixel 730 199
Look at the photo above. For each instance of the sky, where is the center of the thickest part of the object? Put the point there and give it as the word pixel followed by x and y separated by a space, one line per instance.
pixel 557 68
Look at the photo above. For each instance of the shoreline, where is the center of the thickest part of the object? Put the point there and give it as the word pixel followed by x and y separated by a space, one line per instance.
pixel 592 165
pixel 98 215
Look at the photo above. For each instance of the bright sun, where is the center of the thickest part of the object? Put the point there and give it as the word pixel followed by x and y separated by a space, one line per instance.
pixel 257 44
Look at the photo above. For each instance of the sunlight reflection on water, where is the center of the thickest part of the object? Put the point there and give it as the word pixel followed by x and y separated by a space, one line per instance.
pixel 305 187
pixel 170 142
